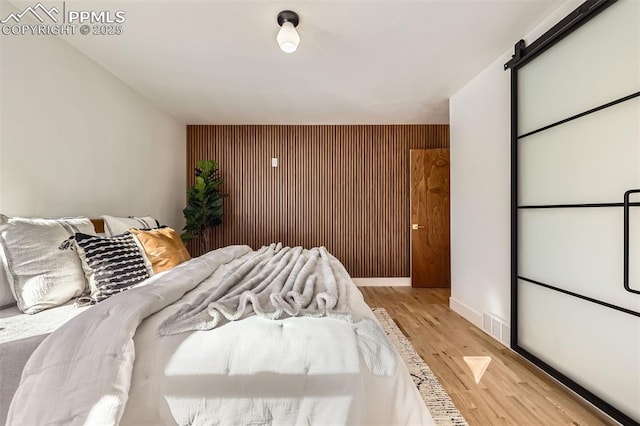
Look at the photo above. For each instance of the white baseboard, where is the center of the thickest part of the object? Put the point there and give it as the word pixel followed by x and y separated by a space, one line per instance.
pixel 468 313
pixel 383 282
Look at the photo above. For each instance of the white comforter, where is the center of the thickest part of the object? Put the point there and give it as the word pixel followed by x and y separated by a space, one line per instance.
pixel 20 335
pixel 253 371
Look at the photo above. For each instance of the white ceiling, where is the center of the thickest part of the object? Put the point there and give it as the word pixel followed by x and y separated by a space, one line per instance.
pixel 217 62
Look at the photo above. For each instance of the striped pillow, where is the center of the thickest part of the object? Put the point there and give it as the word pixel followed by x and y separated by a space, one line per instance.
pixel 111 264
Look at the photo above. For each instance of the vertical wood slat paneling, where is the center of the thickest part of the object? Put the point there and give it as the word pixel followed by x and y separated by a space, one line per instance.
pixel 343 187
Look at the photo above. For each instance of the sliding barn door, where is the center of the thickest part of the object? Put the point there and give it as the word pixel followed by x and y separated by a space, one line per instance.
pixel 577 207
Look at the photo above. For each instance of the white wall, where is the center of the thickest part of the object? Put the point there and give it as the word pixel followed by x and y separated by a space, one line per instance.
pixel 480 188
pixel 75 140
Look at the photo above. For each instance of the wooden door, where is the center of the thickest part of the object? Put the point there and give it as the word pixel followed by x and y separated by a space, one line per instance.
pixel 430 252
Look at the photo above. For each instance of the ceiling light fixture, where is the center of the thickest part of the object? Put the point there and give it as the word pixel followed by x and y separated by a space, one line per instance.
pixel 288 38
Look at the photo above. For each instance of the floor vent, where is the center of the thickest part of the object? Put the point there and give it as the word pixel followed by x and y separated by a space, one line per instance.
pixel 495 326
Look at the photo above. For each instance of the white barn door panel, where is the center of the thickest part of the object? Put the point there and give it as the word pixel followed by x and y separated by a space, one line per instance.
pixel 576 206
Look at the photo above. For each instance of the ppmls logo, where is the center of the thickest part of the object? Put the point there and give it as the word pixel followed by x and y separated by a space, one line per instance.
pixel 53 22
pixel 33 11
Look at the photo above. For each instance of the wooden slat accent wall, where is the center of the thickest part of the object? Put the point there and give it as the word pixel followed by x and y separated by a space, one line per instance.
pixel 344 187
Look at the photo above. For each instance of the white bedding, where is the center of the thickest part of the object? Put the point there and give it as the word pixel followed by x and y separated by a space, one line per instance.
pixel 20 335
pixel 291 371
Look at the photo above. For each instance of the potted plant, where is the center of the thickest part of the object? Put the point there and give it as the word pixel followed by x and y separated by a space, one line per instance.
pixel 204 204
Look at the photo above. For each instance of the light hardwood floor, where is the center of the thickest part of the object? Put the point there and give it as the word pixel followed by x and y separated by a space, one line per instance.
pixel 511 392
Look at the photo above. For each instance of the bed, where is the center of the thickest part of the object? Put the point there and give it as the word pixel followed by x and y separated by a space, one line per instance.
pixel 116 363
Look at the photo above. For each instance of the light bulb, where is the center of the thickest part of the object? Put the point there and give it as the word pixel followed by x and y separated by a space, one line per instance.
pixel 288 38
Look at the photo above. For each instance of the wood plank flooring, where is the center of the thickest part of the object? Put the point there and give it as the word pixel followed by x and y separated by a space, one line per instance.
pixel 511 392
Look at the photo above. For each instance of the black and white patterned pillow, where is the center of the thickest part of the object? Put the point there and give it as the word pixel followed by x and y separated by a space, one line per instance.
pixel 111 264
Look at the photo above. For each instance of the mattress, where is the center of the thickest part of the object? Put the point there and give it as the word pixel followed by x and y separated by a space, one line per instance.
pixel 20 335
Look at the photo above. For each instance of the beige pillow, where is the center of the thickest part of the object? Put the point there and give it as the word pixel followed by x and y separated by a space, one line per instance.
pixel 40 274
pixel 163 248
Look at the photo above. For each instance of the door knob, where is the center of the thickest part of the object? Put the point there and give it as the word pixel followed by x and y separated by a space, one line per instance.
pixel 416 226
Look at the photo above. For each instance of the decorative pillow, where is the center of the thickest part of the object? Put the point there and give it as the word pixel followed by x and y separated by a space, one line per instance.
pixel 119 225
pixel 111 264
pixel 40 275
pixel 163 248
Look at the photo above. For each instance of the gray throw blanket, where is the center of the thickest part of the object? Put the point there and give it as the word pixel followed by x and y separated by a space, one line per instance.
pixel 277 282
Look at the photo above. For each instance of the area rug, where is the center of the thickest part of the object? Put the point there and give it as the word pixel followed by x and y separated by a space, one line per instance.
pixel 435 397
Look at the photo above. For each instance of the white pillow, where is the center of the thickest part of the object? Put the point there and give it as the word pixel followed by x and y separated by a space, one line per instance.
pixel 41 275
pixel 6 296
pixel 119 225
